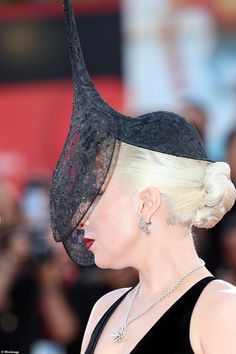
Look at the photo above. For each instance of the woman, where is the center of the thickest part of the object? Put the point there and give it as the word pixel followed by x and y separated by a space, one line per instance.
pixel 126 193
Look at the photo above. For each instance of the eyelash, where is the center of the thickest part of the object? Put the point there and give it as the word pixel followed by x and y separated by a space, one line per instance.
pixel 100 193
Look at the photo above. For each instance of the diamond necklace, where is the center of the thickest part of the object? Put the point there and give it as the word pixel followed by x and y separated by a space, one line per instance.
pixel 120 333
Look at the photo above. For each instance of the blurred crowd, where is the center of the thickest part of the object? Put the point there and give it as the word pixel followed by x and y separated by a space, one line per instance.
pixel 45 298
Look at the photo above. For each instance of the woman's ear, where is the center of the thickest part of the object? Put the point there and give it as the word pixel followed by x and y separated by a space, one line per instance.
pixel 149 200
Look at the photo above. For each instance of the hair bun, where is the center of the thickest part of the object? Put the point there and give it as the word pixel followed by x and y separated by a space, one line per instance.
pixel 219 195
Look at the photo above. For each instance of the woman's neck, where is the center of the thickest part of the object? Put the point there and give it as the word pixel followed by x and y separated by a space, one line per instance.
pixel 163 268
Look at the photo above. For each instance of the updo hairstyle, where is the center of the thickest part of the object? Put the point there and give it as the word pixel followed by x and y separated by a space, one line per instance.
pixel 198 193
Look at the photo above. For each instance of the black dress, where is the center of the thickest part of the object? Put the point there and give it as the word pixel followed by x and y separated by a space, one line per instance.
pixel 170 334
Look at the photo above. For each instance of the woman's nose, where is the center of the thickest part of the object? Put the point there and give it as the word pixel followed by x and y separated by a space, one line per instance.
pixel 84 223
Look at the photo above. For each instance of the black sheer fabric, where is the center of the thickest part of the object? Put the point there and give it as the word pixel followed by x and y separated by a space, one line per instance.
pixel 86 157
pixel 170 334
pixel 90 154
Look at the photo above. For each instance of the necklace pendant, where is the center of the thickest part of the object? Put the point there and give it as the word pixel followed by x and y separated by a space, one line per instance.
pixel 118 335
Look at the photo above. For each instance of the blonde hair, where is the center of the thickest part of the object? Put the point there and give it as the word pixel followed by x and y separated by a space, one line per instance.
pixel 199 193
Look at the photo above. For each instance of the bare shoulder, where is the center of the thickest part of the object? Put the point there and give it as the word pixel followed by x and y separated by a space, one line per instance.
pixel 217 299
pixel 218 292
pixel 100 307
pixel 214 318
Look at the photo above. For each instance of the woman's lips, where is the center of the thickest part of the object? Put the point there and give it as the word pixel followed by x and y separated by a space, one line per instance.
pixel 88 242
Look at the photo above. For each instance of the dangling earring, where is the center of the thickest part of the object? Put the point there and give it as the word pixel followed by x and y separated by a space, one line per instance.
pixel 143 225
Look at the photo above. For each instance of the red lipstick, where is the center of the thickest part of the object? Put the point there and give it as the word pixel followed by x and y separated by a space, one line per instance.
pixel 88 242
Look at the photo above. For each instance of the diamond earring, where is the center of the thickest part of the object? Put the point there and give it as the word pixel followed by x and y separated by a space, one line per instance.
pixel 143 225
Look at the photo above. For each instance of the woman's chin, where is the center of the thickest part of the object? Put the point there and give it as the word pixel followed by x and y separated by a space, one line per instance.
pixel 102 263
pixel 108 264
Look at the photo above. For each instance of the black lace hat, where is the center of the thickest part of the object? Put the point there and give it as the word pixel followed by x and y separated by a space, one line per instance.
pixel 90 148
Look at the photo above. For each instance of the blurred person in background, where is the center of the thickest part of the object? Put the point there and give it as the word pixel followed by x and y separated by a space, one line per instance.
pixel 231 153
pixel 10 211
pixel 34 203
pixel 17 289
pixel 196 114
pixel 18 292
pixel 65 299
pixel 59 325
pixel 227 271
pixel 219 254
pixel 214 254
